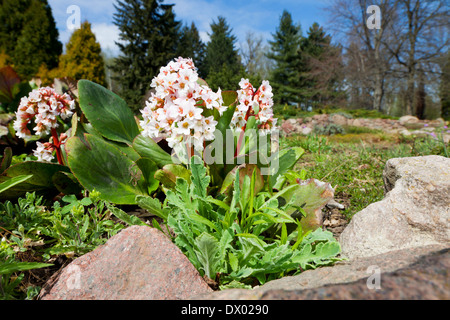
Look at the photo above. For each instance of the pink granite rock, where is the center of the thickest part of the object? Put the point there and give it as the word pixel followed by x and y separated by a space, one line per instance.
pixel 139 263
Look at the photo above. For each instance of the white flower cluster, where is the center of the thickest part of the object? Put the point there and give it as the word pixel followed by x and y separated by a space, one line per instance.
pixel 44 151
pixel 44 105
pixel 175 111
pixel 258 103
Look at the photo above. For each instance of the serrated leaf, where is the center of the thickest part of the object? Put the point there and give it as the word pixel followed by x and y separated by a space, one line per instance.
pixel 234 262
pixel 207 254
pixel 125 217
pixel 152 205
pixel 199 178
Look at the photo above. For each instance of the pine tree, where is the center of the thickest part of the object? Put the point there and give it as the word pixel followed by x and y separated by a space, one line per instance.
pixel 222 62
pixel 28 35
pixel 149 36
pixel 284 50
pixel 191 46
pixel 83 59
pixel 322 64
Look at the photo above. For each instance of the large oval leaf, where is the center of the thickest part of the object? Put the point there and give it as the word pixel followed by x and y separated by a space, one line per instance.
pixel 101 166
pixel 147 148
pixel 107 112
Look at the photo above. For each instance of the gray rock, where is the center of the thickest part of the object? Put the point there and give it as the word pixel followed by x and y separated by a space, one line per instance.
pixel 408 120
pixel 139 263
pixel 414 213
pixel 427 279
pixel 332 280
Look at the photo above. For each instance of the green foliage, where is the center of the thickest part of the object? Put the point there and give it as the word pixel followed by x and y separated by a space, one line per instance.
pixel 44 180
pixel 12 182
pixel 284 52
pixel 312 143
pixel 148 39
pixel 222 63
pixel 107 112
pixel 329 129
pixel 100 153
pixel 190 45
pixel 73 229
pixel 29 36
pixel 322 68
pixel 233 240
pixel 83 59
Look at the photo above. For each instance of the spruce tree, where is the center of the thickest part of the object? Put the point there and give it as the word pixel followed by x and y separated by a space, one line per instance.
pixel 222 62
pixel 284 50
pixel 321 65
pixel 28 35
pixel 191 46
pixel 149 36
pixel 83 59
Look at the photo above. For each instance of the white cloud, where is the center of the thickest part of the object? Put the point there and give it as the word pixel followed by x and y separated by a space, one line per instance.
pixel 107 35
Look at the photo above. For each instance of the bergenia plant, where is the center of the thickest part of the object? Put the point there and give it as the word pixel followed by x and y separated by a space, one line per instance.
pixel 253 103
pixel 176 110
pixel 44 106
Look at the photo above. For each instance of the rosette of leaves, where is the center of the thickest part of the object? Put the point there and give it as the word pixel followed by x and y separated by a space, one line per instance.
pixel 232 243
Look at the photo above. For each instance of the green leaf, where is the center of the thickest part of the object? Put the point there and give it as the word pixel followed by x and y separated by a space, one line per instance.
pixel 41 181
pixel 12 182
pixel 152 205
pixel 11 267
pixel 107 112
pixel 66 183
pixel 6 159
pixel 311 196
pixel 230 100
pixel 169 173
pixel 283 238
pixel 103 167
pixel 125 217
pixel 148 148
pixel 199 178
pixel 148 168
pixel 286 158
pixel 234 262
pixel 207 254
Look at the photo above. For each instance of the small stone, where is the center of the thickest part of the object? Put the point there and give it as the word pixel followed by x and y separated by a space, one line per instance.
pixel 139 263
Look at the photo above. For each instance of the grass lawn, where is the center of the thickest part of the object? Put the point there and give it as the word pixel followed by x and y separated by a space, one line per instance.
pixel 353 163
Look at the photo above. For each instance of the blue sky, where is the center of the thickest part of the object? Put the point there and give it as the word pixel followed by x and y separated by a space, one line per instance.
pixel 258 16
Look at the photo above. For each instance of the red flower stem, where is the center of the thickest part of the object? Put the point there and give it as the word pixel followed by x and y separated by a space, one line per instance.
pixel 241 136
pixel 57 146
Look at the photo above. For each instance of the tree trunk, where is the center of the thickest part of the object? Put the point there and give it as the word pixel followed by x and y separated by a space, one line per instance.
pixel 410 91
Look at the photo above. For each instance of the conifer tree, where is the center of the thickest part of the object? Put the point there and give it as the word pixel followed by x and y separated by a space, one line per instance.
pixel 222 62
pixel 321 67
pixel 284 50
pixel 28 35
pixel 149 36
pixel 83 59
pixel 191 46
